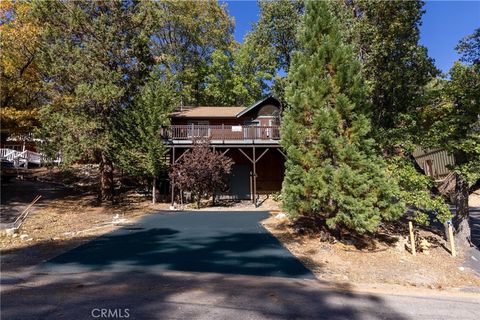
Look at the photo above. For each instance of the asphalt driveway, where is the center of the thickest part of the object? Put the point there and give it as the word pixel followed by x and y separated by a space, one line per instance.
pixel 217 242
pixel 203 265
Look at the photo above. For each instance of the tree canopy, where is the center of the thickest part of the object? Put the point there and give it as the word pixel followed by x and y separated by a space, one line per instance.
pixel 451 120
pixel 20 78
pixel 95 57
pixel 185 36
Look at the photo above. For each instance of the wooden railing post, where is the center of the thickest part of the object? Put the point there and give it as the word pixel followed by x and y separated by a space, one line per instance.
pixel 223 133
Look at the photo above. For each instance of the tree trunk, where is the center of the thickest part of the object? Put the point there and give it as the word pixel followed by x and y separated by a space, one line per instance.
pixel 106 179
pixel 154 190
pixel 461 219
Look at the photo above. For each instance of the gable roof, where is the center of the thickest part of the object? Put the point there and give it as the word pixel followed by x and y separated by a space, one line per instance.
pixel 221 112
pixel 271 99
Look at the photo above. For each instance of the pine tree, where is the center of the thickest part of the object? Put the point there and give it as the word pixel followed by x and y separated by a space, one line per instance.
pixel 332 173
pixel 137 144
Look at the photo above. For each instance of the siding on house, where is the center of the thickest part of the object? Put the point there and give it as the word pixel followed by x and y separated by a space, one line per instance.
pixel 434 162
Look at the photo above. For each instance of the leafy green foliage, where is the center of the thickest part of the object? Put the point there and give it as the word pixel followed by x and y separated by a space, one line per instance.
pixel 415 191
pixel 452 121
pixel 469 48
pixel 332 170
pixel 186 34
pixel 233 78
pixel 274 39
pixel 275 32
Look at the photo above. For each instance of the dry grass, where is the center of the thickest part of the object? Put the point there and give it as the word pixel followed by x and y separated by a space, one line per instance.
pixel 386 265
pixel 66 223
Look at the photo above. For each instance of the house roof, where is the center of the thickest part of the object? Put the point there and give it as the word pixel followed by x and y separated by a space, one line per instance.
pixel 221 112
pixel 208 112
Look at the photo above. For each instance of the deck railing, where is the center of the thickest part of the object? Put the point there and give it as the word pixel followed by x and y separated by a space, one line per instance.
pixel 26 156
pixel 221 132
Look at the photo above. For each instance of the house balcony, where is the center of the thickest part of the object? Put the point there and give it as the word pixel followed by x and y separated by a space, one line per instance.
pixel 222 134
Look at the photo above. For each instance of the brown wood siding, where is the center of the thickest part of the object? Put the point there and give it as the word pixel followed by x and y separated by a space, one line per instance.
pixel 434 161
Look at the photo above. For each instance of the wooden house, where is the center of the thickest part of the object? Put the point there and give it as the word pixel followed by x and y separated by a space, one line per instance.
pixel 248 135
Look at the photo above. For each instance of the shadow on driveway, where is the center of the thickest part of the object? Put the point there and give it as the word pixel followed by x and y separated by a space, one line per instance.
pixel 218 242
pixel 187 296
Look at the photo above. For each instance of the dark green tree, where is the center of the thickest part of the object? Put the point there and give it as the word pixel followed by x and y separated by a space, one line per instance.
pixel 452 121
pixel 396 70
pixel 138 145
pixel 94 57
pixel 396 67
pixel 332 171
pixel 469 48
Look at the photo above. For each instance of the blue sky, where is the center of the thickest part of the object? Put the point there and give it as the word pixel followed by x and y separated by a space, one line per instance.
pixel 443 25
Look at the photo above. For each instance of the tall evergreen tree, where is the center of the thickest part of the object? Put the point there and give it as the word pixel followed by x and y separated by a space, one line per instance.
pixel 396 69
pixel 95 56
pixel 332 171
pixel 138 147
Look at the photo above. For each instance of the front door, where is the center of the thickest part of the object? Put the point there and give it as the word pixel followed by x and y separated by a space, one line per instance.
pixel 240 182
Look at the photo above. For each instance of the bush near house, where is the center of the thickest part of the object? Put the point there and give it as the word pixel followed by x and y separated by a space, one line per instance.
pixel 201 171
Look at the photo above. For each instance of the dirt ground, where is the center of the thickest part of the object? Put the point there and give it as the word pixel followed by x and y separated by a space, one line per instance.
pixel 474 199
pixel 384 266
pixel 63 219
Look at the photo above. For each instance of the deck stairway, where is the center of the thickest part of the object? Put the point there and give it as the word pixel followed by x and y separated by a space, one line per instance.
pixel 22 159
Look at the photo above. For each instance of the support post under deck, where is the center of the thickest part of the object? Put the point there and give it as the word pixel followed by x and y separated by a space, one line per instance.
pixel 254 178
pixel 172 182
